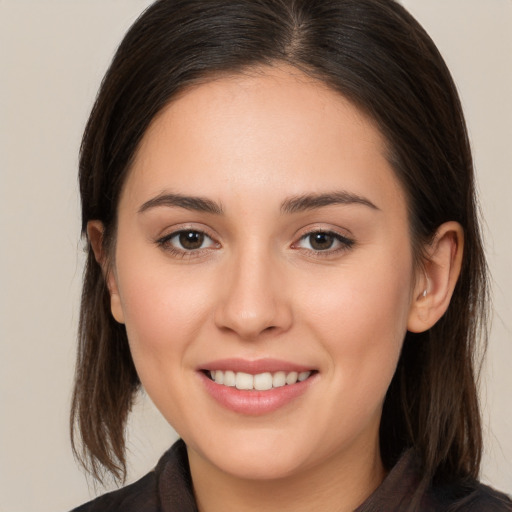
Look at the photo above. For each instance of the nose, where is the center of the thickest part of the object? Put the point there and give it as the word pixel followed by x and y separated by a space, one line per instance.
pixel 255 299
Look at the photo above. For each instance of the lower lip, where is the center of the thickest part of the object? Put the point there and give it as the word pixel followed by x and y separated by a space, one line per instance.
pixel 255 403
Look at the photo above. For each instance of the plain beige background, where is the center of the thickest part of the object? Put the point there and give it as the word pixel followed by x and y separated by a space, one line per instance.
pixel 53 54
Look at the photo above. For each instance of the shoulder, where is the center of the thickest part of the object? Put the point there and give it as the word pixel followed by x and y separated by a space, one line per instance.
pixel 471 497
pixel 489 499
pixel 169 484
pixel 405 489
pixel 141 496
pixel 144 495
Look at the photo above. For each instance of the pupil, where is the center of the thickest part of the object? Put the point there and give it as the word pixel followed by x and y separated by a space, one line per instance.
pixel 191 239
pixel 321 241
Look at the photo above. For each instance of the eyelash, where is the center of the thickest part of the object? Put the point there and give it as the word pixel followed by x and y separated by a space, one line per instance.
pixel 165 242
pixel 343 243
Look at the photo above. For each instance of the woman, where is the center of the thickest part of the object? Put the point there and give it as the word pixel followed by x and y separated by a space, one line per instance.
pixel 284 252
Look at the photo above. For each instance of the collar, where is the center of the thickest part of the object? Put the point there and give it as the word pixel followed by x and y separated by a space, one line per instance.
pixel 393 495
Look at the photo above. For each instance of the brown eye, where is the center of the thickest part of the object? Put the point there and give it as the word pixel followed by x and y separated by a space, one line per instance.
pixel 186 241
pixel 324 241
pixel 191 240
pixel 321 241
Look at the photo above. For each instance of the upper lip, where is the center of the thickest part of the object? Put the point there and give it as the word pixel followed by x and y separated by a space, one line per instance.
pixel 254 367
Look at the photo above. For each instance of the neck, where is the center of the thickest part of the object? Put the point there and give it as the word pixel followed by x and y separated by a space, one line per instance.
pixel 339 484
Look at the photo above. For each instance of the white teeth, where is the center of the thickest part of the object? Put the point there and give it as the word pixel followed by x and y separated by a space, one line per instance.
pixel 229 379
pixel 279 379
pixel 260 381
pixel 291 378
pixel 244 381
pixel 302 376
pixel 263 381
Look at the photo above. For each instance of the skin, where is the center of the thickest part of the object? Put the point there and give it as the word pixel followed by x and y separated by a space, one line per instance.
pixel 258 288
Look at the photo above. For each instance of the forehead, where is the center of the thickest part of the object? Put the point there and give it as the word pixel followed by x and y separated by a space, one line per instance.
pixel 268 126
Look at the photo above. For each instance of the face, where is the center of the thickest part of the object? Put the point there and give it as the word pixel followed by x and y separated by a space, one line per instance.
pixel 264 271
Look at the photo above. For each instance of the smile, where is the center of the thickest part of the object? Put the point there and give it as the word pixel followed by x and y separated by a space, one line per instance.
pixel 259 382
pixel 256 387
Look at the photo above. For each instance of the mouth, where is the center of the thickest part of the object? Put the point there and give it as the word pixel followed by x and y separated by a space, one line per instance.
pixel 256 387
pixel 258 382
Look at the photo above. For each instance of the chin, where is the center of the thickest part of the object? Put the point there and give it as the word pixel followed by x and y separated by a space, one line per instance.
pixel 251 457
pixel 261 466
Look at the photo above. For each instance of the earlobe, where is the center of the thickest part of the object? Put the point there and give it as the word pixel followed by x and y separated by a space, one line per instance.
pixel 436 282
pixel 95 230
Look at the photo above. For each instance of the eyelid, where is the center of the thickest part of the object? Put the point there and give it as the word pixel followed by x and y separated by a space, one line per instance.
pixel 345 242
pixel 164 241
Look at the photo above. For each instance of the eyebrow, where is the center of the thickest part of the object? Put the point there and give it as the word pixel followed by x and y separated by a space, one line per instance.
pixel 198 204
pixel 313 201
pixel 292 205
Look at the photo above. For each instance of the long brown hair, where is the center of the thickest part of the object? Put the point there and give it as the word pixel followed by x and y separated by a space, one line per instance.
pixel 375 54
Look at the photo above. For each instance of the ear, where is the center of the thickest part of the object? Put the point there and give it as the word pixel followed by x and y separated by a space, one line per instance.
pixel 436 281
pixel 95 230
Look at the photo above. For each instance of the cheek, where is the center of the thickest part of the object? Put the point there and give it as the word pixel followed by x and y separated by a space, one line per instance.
pixel 360 316
pixel 162 318
pixel 162 311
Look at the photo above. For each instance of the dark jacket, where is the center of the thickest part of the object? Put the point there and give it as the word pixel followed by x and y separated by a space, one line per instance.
pixel 168 488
